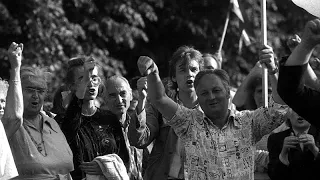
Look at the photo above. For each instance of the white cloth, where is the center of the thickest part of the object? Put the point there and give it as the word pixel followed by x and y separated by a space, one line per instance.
pixel 112 168
pixel 7 166
pixel 312 6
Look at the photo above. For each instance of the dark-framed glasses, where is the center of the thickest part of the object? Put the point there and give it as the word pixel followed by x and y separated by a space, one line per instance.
pixel 96 80
pixel 31 90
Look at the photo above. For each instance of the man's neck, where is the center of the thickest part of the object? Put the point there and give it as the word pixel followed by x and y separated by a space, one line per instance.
pixel 88 107
pixel 219 119
pixel 189 99
pixel 300 130
pixel 122 118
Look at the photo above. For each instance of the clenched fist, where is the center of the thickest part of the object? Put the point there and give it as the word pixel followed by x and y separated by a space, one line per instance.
pixel 142 86
pixel 15 54
pixel 311 34
pixel 146 66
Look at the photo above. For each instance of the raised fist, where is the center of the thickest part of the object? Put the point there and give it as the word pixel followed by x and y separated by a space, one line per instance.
pixel 89 64
pixel 311 34
pixel 15 54
pixel 142 86
pixel 146 66
pixel 293 41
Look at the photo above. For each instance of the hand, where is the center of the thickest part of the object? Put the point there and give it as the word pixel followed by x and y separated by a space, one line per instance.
pixel 15 54
pixel 293 42
pixel 266 57
pixel 91 168
pixel 89 65
pixel 146 66
pixel 289 142
pixel 311 34
pixel 308 141
pixel 142 86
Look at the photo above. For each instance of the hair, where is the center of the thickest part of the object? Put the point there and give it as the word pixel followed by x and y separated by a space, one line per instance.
pixel 220 73
pixel 183 54
pixel 116 77
pixel 28 72
pixel 215 57
pixel 4 85
pixel 77 62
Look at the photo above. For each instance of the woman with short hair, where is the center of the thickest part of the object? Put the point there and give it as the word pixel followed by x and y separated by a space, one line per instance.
pixel 38 145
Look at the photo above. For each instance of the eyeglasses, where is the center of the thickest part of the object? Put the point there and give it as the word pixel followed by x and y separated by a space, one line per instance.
pixel 96 80
pixel 33 90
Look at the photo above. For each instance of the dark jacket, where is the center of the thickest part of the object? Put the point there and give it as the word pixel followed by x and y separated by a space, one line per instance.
pixel 302 164
pixel 303 100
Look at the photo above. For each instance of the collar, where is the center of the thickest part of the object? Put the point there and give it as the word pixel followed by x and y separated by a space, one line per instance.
pixel 46 121
pixel 177 100
pixel 125 124
pixel 232 120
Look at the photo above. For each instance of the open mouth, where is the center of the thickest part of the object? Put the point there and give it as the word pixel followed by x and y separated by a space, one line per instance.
pixel 34 103
pixel 190 82
pixel 92 91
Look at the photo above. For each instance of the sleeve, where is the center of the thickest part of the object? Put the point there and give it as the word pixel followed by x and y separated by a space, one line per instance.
pixel 144 127
pixel 276 169
pixel 265 120
pixel 71 121
pixel 182 121
pixel 303 100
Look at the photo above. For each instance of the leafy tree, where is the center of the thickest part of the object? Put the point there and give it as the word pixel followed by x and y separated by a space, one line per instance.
pixel 117 32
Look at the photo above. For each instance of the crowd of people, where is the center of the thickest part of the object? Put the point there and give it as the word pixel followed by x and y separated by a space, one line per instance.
pixel 189 126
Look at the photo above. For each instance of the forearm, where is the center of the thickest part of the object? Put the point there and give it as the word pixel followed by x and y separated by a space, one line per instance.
pixel 156 90
pixel 311 79
pixel 141 105
pixel 274 83
pixel 300 55
pixel 13 114
pixel 166 106
pixel 147 126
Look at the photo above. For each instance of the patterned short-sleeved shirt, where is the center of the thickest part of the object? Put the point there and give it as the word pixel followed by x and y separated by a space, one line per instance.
pixel 227 153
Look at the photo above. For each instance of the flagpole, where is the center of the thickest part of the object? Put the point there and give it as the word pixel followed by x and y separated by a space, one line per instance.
pixel 264 42
pixel 224 30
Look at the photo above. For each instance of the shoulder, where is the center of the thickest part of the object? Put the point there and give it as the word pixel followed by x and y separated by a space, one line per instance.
pixel 105 117
pixel 51 122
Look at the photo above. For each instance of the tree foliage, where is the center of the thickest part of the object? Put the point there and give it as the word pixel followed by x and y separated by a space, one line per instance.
pixel 117 32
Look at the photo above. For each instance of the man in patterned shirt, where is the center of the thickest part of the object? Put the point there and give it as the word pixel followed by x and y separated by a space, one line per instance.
pixel 218 142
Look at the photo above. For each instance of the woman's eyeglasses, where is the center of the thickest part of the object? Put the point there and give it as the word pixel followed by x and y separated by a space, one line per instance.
pixel 31 90
pixel 96 80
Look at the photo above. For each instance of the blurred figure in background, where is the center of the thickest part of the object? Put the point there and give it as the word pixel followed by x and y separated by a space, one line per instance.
pixel 211 61
pixel 7 165
pixel 294 153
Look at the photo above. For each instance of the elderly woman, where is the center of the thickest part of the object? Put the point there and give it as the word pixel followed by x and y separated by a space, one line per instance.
pixel 38 145
pixel 7 166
